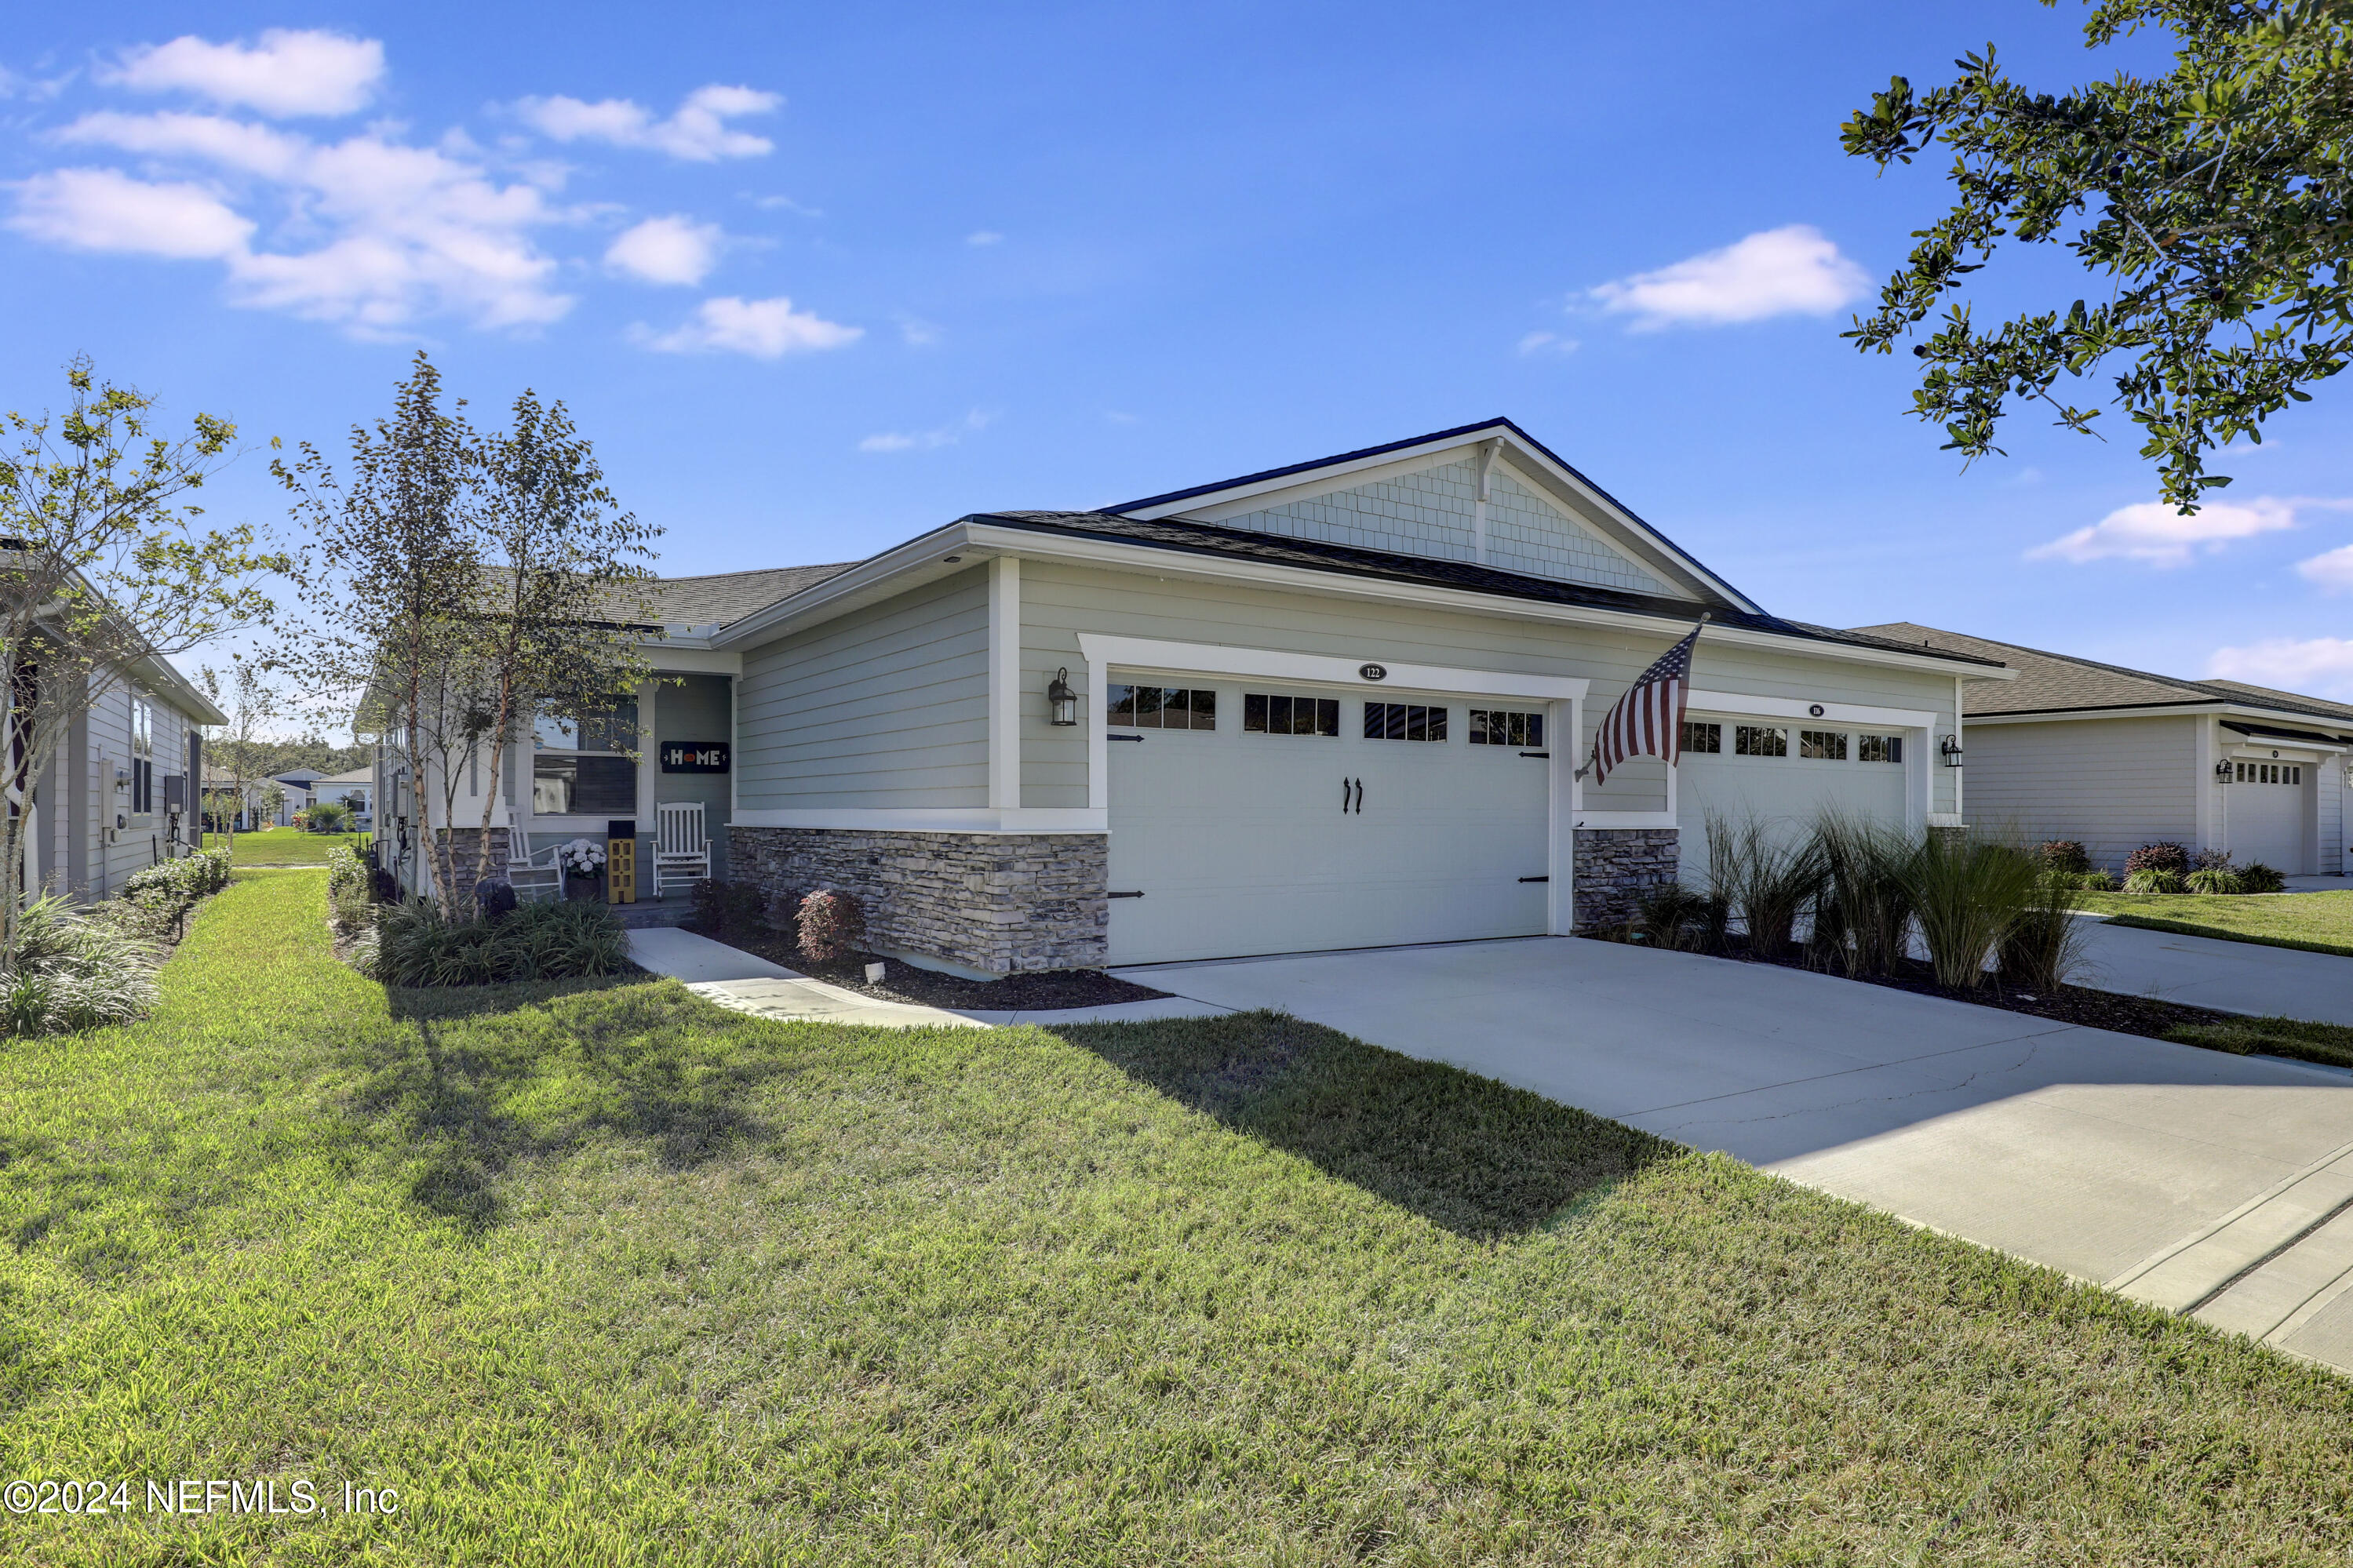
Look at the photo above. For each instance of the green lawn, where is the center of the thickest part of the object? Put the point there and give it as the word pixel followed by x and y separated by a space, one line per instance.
pixel 2318 922
pixel 601 1273
pixel 282 847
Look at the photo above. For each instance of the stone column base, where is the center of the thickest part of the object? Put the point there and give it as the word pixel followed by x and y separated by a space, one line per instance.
pixel 996 902
pixel 1617 866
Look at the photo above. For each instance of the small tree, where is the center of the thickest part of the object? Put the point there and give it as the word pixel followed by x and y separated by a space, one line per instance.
pixel 250 699
pixel 104 566
pixel 559 629
pixel 400 581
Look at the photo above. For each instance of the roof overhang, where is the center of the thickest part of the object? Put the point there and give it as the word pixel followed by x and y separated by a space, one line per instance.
pixel 1528 459
pixel 2226 712
pixel 968 540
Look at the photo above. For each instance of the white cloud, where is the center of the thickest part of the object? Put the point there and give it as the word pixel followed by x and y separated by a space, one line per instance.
pixel 919 333
pixel 395 232
pixel 1541 342
pixel 673 249
pixel 2331 570
pixel 947 435
pixel 2318 666
pixel 2155 533
pixel 1793 270
pixel 99 210
pixel 765 329
pixel 288 73
pixel 697 131
pixel 983 236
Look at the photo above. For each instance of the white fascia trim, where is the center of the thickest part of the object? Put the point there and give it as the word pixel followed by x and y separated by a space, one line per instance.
pixel 669 658
pixel 1627 819
pixel 932 819
pixel 1790 708
pixel 2170 710
pixel 1272 664
pixel 2235 745
pixel 1184 563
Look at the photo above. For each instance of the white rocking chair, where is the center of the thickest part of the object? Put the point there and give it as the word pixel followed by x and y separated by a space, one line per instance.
pixel 534 876
pixel 681 851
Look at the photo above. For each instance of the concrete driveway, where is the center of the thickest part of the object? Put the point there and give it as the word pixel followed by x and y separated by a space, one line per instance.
pixel 2199 1181
pixel 2211 972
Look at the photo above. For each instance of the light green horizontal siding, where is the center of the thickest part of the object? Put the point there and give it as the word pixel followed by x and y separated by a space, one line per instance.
pixel 2115 784
pixel 887 706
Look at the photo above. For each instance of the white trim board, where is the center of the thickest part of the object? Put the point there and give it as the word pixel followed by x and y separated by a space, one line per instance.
pixel 931 819
pixel 1792 707
pixel 1272 664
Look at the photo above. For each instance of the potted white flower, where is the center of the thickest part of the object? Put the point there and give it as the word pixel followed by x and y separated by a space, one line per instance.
pixel 582 860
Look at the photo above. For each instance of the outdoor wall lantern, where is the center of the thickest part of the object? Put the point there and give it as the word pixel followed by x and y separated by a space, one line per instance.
pixel 2222 771
pixel 1950 749
pixel 1062 702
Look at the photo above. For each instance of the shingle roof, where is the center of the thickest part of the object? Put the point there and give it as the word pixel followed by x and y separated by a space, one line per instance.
pixel 2060 682
pixel 720 596
pixel 1209 539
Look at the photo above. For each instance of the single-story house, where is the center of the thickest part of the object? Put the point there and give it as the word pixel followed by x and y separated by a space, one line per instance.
pixel 1342 703
pixel 115 798
pixel 2118 758
pixel 355 788
pixel 296 785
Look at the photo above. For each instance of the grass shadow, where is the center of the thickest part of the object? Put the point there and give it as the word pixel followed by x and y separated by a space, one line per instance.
pixel 480 1081
pixel 1479 1158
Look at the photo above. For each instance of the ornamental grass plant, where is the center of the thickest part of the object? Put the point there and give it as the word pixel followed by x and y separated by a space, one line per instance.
pixel 1967 894
pixel 1862 909
pixel 416 945
pixel 76 971
pixel 1767 877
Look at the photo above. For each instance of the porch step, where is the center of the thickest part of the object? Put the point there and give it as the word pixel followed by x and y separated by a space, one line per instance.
pixel 649 916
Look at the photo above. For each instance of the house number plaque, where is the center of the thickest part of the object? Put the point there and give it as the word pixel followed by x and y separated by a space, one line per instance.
pixel 1373 671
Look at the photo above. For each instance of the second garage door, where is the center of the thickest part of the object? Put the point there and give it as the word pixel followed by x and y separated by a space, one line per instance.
pixel 1261 818
pixel 1783 775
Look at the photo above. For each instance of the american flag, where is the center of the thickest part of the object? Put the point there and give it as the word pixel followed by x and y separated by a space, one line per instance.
pixel 1648 721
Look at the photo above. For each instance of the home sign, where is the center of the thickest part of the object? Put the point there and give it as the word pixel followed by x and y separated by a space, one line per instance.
pixel 694 757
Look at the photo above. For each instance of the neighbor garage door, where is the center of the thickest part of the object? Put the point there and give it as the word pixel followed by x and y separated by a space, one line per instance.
pixel 2266 807
pixel 1783 774
pixel 1258 818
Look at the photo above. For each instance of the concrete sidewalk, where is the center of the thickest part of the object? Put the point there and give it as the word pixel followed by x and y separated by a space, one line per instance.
pixel 2192 1178
pixel 2214 971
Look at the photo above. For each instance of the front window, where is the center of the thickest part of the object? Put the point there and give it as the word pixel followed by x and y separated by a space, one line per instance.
pixel 143 755
pixel 582 764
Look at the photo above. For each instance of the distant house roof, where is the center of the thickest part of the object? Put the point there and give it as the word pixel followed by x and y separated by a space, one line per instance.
pixel 298 776
pixel 356 776
pixel 2061 683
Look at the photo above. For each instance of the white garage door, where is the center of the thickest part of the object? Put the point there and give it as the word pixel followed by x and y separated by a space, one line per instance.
pixel 1257 818
pixel 2265 803
pixel 1786 774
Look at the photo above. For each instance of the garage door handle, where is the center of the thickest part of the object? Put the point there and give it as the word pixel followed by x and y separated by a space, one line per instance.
pixel 1134 895
pixel 1522 753
pixel 1343 794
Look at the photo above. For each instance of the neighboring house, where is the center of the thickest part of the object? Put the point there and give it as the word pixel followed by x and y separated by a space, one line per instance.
pixel 115 797
pixel 254 811
pixel 297 783
pixel 2119 758
pixel 356 789
pixel 1338 704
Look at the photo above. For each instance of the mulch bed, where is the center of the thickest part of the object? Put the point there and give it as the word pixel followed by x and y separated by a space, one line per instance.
pixel 1029 991
pixel 2112 1010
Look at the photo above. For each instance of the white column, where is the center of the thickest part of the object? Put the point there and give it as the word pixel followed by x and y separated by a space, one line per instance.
pixel 1565 719
pixel 648 757
pixel 1098 736
pixel 1005 683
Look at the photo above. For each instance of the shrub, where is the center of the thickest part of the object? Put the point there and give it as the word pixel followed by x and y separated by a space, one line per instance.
pixel 2045 943
pixel 2148 879
pixel 1763 877
pixel 74 972
pixel 414 945
pixel 2258 877
pixel 1672 917
pixel 1966 895
pixel 156 899
pixel 2066 855
pixel 722 906
pixel 2212 861
pixel 832 924
pixel 350 887
pixel 2212 880
pixel 2161 857
pixel 327 817
pixel 2096 882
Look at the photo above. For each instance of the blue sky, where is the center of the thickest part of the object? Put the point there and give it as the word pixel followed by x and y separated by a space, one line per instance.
pixel 817 279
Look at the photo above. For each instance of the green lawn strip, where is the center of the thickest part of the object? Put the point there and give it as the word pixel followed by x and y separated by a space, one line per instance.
pixel 282 847
pixel 2313 922
pixel 601 1272
pixel 2328 1043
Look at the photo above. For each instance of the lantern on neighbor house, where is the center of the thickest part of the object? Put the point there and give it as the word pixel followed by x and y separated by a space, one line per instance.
pixel 1062 702
pixel 1949 749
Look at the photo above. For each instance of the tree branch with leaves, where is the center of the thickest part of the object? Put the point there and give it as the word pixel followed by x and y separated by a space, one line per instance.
pixel 2215 201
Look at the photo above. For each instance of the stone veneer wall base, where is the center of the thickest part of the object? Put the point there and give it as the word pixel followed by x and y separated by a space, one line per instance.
pixel 995 902
pixel 1616 867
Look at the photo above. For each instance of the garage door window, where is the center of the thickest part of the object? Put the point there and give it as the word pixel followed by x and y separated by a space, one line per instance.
pixel 1760 740
pixel 1822 745
pixel 2269 773
pixel 1404 721
pixel 1698 737
pixel 1161 707
pixel 1264 714
pixel 1879 748
pixel 1493 727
